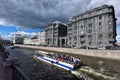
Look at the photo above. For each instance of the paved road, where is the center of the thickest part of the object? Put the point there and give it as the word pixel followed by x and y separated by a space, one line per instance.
pixel 39 70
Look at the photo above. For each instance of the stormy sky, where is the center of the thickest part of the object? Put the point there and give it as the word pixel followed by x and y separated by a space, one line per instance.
pixel 37 13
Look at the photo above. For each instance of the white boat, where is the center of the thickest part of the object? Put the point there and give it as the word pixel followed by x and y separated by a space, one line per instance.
pixel 63 61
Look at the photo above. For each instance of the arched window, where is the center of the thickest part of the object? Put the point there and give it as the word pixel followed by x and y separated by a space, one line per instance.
pixel 100 37
pixel 90 37
pixel 100 43
pixel 90 43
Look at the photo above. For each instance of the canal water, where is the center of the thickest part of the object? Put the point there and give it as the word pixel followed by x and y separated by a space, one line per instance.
pixel 38 70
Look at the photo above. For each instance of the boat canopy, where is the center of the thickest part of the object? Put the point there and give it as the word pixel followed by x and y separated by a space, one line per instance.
pixel 41 52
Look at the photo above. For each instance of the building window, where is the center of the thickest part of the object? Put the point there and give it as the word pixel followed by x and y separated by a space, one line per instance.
pixel 100 37
pixel 90 25
pixel 69 33
pixel 75 28
pixel 109 16
pixel 69 38
pixel 82 43
pixel 90 43
pixel 100 29
pixel 75 43
pixel 110 36
pixel 69 43
pixel 109 29
pixel 100 23
pixel 89 37
pixel 82 39
pixel 100 16
pixel 89 30
pixel 100 43
pixel 110 43
pixel 54 40
pixel 81 27
pixel 109 22
pixel 75 38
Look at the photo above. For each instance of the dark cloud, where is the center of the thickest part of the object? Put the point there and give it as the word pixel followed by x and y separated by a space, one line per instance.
pixel 37 13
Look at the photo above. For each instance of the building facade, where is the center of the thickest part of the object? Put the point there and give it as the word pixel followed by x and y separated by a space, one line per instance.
pixel 36 40
pixel 53 33
pixel 29 41
pixel 94 28
pixel 41 38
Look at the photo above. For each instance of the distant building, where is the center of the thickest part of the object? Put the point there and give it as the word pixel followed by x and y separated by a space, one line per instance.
pixel 17 39
pixel 55 34
pixel 41 38
pixel 95 28
pixel 31 41
pixel 27 41
pixel 0 39
pixel 36 40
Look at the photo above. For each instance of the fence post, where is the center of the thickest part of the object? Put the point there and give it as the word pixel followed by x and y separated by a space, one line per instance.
pixel 7 68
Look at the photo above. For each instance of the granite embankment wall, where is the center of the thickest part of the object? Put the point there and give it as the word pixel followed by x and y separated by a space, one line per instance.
pixel 113 54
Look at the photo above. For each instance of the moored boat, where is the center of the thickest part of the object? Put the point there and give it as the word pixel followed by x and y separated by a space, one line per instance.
pixel 60 60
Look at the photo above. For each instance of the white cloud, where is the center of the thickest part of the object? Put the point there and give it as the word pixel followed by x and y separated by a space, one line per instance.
pixel 23 33
pixel 5 37
pixel 118 38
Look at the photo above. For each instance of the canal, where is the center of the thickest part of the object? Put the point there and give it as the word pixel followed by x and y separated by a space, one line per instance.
pixel 38 70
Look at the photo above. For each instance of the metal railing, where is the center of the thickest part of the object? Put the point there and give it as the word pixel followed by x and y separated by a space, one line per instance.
pixel 17 74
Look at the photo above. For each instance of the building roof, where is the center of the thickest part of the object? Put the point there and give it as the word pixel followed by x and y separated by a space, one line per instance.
pixel 56 22
pixel 89 11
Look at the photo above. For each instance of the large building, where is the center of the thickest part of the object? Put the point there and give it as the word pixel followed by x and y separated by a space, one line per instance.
pixel 95 28
pixel 55 34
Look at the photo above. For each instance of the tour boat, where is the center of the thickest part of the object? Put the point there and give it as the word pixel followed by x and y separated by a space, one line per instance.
pixel 60 60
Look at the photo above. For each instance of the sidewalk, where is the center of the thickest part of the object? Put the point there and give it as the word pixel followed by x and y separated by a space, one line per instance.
pixel 1 68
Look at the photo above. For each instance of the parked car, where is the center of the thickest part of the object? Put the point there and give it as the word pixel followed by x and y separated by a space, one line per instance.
pixel 83 47
pixel 109 47
pixel 67 46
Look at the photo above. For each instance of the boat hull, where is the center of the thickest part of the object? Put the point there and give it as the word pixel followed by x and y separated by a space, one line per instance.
pixel 56 63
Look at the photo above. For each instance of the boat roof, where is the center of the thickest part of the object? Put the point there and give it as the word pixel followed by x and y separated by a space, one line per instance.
pixel 43 52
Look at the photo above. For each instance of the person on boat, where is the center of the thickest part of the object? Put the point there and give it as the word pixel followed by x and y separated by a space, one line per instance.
pixel 76 60
pixel 54 56
pixel 59 58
